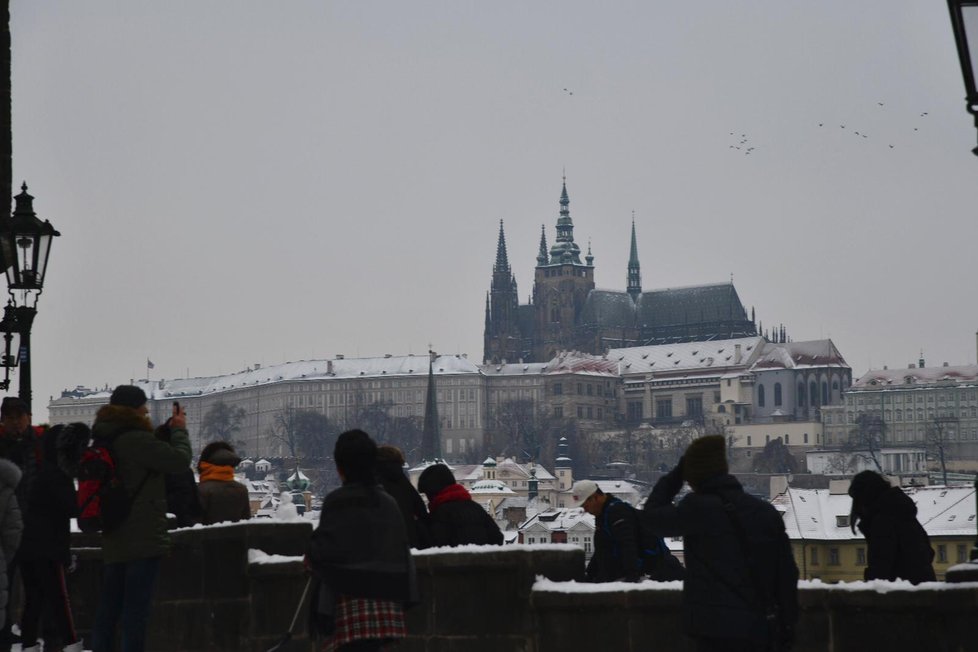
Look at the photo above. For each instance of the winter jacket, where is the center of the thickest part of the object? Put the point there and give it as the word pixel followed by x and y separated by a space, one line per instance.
pixel 360 547
pixel 141 459
pixel 456 520
pixel 409 501
pixel 616 544
pixel 897 545
pixel 222 498
pixel 10 525
pixel 731 583
pixel 24 450
pixel 53 503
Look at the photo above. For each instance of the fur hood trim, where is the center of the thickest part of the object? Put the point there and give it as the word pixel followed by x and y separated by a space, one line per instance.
pixel 9 473
pixel 112 420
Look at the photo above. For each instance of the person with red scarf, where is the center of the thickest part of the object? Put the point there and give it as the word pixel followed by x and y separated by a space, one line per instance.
pixel 455 519
pixel 222 498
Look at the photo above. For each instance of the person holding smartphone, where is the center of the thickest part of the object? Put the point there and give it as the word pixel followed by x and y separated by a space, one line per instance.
pixel 131 553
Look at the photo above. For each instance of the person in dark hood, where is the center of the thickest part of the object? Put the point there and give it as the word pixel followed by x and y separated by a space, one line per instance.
pixel 741 587
pixel 222 498
pixel 454 519
pixel 46 544
pixel 390 472
pixel 182 497
pixel 897 546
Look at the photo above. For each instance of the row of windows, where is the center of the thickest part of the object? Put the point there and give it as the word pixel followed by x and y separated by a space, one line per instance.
pixel 834 558
pixel 786 439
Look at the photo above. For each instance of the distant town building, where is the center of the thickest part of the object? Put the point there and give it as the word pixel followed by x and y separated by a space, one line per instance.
pixel 919 406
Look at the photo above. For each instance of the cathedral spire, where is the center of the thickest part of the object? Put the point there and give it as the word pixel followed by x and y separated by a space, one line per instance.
pixel 565 250
pixel 634 269
pixel 502 260
pixel 543 258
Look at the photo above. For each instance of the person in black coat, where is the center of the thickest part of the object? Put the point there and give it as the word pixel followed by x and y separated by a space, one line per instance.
pixel 616 536
pixel 45 549
pixel 897 545
pixel 454 519
pixel 741 586
pixel 390 472
pixel 182 496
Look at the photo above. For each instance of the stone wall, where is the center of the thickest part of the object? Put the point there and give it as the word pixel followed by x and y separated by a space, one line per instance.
pixel 473 599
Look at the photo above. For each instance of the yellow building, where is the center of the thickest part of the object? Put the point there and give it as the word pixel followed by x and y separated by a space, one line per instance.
pixel 825 548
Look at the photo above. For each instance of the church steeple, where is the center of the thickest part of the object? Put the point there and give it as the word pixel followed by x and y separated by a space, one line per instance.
pixel 634 269
pixel 543 258
pixel 502 260
pixel 565 250
pixel 431 430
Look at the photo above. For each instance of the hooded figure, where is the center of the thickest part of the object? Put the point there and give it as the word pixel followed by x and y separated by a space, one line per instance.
pixel 741 585
pixel 897 545
pixel 454 518
pixel 390 473
pixel 222 498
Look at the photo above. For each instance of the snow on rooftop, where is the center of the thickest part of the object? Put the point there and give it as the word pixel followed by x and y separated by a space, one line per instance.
pixel 875 378
pixel 821 515
pixel 686 356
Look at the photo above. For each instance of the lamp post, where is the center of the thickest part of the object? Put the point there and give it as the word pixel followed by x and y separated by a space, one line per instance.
pixel 25 243
pixel 964 21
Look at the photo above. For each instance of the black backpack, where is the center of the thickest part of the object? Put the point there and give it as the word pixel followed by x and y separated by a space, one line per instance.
pixel 657 561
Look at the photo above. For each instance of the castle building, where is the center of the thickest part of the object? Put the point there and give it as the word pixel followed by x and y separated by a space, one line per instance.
pixel 567 312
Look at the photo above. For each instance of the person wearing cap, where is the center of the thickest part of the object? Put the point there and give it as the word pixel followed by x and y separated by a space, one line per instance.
pixel 616 536
pixel 131 553
pixel 20 443
pixel 741 586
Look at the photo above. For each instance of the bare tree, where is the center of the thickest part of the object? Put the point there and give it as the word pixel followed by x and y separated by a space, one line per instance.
pixel 775 458
pixel 867 439
pixel 222 421
pixel 939 431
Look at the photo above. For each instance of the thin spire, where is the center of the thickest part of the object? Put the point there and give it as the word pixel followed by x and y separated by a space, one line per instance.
pixel 589 259
pixel 502 260
pixel 543 258
pixel 565 250
pixel 431 432
pixel 634 269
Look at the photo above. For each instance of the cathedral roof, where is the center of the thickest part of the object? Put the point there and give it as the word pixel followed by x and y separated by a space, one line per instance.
pixel 608 308
pixel 797 355
pixel 688 305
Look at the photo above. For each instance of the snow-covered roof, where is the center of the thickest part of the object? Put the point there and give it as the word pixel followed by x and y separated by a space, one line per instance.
pixel 564 518
pixel 821 515
pixel 875 378
pixel 490 487
pixel 514 369
pixel 575 362
pixel 686 356
pixel 799 355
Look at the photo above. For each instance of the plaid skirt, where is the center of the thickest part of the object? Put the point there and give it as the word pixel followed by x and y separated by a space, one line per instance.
pixel 358 619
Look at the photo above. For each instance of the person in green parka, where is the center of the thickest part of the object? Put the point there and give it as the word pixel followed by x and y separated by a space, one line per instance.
pixel 131 553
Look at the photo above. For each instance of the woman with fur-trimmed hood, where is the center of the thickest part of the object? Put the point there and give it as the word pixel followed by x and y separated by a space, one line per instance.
pixel 131 553
pixel 222 498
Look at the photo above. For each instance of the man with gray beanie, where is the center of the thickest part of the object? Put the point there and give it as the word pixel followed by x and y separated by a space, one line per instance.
pixel 131 553
pixel 741 588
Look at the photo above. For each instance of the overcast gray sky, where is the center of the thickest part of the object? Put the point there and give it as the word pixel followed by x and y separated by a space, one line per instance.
pixel 241 181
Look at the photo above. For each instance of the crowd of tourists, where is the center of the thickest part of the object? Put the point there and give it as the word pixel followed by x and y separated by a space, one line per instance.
pixel 739 576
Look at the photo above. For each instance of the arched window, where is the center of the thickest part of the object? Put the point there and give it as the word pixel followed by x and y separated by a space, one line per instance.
pixel 825 393
pixel 812 394
pixel 777 394
pixel 760 396
pixel 801 394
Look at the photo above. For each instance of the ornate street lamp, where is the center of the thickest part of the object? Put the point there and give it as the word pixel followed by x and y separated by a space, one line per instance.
pixel 964 20
pixel 25 243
